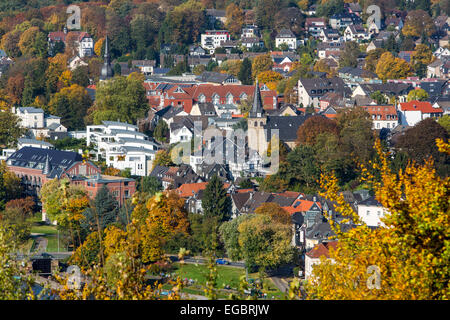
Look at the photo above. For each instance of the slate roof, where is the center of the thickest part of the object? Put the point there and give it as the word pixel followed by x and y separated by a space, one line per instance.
pixel 357 72
pixel 214 77
pixel 335 84
pixel 395 89
pixel 159 172
pixel 287 126
pixel 35 158
pixel 371 201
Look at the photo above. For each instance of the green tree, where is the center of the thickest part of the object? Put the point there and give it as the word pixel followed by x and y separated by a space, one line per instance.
pixel 10 129
pixel 417 94
pixel 121 98
pixel 215 202
pixel 245 72
pixel 161 131
pixel 101 213
pixel 350 54
pixel 150 185
pixel 378 97
pixel 265 243
pixel 444 121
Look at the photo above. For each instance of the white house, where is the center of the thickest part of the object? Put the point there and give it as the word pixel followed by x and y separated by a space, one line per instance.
pixel 412 112
pixel 286 36
pixel 85 45
pixel 212 39
pixel 383 116
pixel 370 211
pixel 39 123
pixel 313 256
pixel 355 33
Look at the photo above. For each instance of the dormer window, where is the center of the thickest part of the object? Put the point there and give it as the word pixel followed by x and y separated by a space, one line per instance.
pixel 202 98
pixel 216 98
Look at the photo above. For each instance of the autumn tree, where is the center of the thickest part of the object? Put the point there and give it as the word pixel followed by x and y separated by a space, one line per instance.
pixel 409 253
pixel 71 104
pixel 418 143
pixel 184 24
pixel 33 42
pixel 261 63
pixel 269 78
pixel 159 218
pixel 273 209
pixel 417 94
pixel 15 282
pixel 235 19
pixel 162 158
pixel 390 67
pixel 418 22
pixel 314 126
pixel 372 58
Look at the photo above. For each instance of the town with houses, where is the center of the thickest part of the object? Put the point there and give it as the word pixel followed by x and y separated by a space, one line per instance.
pixel 218 123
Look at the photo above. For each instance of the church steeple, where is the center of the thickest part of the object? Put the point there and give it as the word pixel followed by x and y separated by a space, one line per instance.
pixel 106 71
pixel 257 110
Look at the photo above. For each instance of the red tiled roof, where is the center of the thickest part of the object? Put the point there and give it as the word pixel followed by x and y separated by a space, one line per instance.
pixel 322 249
pixel 188 189
pixel 423 106
pixel 384 111
pixel 304 205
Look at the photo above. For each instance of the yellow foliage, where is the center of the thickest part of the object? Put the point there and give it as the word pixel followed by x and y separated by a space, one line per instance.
pixel 411 251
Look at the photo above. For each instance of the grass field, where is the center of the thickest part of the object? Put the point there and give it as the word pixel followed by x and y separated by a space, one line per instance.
pixel 226 276
pixel 48 231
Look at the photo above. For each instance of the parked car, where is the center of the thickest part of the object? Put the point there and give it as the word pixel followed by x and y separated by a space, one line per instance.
pixel 222 261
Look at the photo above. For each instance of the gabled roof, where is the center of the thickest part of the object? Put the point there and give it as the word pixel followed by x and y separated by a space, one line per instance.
pixel 322 249
pixel 287 126
pixel 423 106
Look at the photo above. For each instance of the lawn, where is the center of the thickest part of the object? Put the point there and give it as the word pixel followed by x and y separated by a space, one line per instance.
pixel 48 231
pixel 225 275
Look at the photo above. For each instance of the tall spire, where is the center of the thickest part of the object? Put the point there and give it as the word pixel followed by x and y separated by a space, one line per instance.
pixel 106 55
pixel 257 108
pixel 47 167
pixel 106 70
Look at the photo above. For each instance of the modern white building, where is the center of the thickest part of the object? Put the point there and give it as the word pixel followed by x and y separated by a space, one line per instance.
pixel 212 39
pixel 370 211
pixel 122 146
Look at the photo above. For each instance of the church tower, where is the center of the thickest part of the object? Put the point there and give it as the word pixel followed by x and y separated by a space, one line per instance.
pixel 106 70
pixel 256 121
